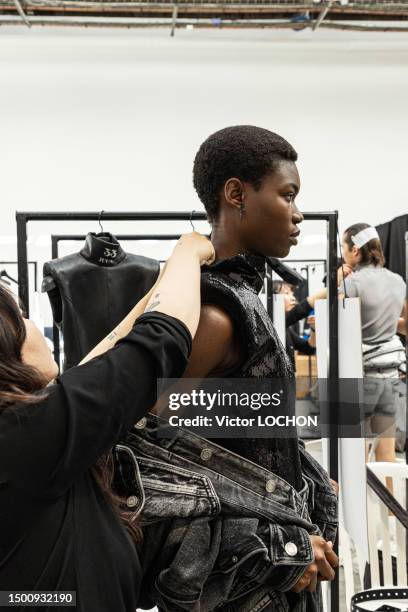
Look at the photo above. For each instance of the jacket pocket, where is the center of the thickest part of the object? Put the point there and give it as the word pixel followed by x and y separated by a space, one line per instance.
pixel 173 493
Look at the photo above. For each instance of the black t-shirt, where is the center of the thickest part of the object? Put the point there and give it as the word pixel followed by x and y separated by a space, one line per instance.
pixel 57 532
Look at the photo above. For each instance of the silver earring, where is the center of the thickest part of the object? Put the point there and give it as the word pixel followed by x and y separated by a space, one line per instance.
pixel 241 211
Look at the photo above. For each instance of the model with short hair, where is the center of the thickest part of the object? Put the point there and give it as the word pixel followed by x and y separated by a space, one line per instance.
pixel 247 180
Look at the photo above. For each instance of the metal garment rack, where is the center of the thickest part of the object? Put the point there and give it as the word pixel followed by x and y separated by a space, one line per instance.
pixel 23 218
pixel 309 263
pixel 269 278
pixel 34 263
pixel 57 238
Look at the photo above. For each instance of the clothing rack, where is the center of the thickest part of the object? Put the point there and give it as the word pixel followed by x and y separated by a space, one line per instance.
pixel 23 218
pixel 15 263
pixel 308 263
pixel 269 277
pixel 57 238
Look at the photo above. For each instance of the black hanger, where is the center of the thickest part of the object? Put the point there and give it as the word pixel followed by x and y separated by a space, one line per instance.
pixel 191 220
pixel 3 274
pixel 100 220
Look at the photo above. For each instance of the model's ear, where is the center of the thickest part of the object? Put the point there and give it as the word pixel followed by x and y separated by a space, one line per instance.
pixel 355 250
pixel 234 192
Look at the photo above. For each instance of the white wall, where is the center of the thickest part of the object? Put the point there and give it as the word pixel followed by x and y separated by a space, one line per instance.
pixel 111 119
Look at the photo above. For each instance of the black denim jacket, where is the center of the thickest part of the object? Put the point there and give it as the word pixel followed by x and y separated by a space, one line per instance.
pixel 220 532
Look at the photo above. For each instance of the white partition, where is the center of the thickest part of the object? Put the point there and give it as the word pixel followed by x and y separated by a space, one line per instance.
pixel 279 316
pixel 352 472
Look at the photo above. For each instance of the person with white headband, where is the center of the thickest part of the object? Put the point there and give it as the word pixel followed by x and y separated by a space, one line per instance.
pixel 382 296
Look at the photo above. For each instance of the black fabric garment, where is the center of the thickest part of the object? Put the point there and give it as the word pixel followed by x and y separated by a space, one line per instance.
pixel 93 290
pixel 233 284
pixel 392 238
pixel 57 532
pixel 299 312
pixel 295 342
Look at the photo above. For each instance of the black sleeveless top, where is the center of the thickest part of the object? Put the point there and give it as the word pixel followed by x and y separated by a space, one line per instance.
pixel 93 290
pixel 233 285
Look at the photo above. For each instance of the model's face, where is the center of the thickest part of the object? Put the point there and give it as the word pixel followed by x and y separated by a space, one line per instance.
pixel 351 256
pixel 269 223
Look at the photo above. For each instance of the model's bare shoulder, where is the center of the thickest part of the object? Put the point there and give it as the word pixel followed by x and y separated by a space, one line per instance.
pixel 215 318
pixel 212 343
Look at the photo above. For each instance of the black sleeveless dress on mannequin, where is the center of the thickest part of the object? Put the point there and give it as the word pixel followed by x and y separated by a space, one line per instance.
pixel 233 285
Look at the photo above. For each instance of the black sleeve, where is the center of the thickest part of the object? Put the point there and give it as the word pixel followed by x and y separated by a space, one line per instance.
pixel 298 312
pixel 302 345
pixel 45 446
pixel 54 295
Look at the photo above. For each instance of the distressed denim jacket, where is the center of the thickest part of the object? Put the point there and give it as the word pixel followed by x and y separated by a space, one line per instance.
pixel 220 532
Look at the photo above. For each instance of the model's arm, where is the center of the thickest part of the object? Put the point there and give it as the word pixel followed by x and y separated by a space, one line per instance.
pixel 176 291
pixel 403 321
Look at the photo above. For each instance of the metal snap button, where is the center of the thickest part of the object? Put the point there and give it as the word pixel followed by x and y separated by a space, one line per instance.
pixel 131 501
pixel 234 559
pixel 291 549
pixel 206 454
pixel 141 424
pixel 270 486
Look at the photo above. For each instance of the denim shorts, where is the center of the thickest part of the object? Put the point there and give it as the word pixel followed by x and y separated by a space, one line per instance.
pixel 381 393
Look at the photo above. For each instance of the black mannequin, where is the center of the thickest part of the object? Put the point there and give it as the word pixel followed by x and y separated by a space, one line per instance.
pixel 93 290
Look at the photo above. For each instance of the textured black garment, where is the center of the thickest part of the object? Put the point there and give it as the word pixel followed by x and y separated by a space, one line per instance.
pixel 57 532
pixel 295 342
pixel 392 238
pixel 298 312
pixel 234 284
pixel 93 290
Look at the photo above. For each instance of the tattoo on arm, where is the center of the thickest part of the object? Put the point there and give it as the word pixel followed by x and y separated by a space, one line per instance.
pixel 155 303
pixel 113 335
pixel 152 306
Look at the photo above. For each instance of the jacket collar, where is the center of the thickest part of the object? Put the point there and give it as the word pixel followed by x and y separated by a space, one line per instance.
pixel 103 250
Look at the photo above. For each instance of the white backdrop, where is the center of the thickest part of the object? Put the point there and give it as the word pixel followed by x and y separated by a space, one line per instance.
pixel 111 119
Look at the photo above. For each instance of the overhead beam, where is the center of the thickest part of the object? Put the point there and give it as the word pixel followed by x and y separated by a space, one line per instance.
pixel 322 15
pixel 22 13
